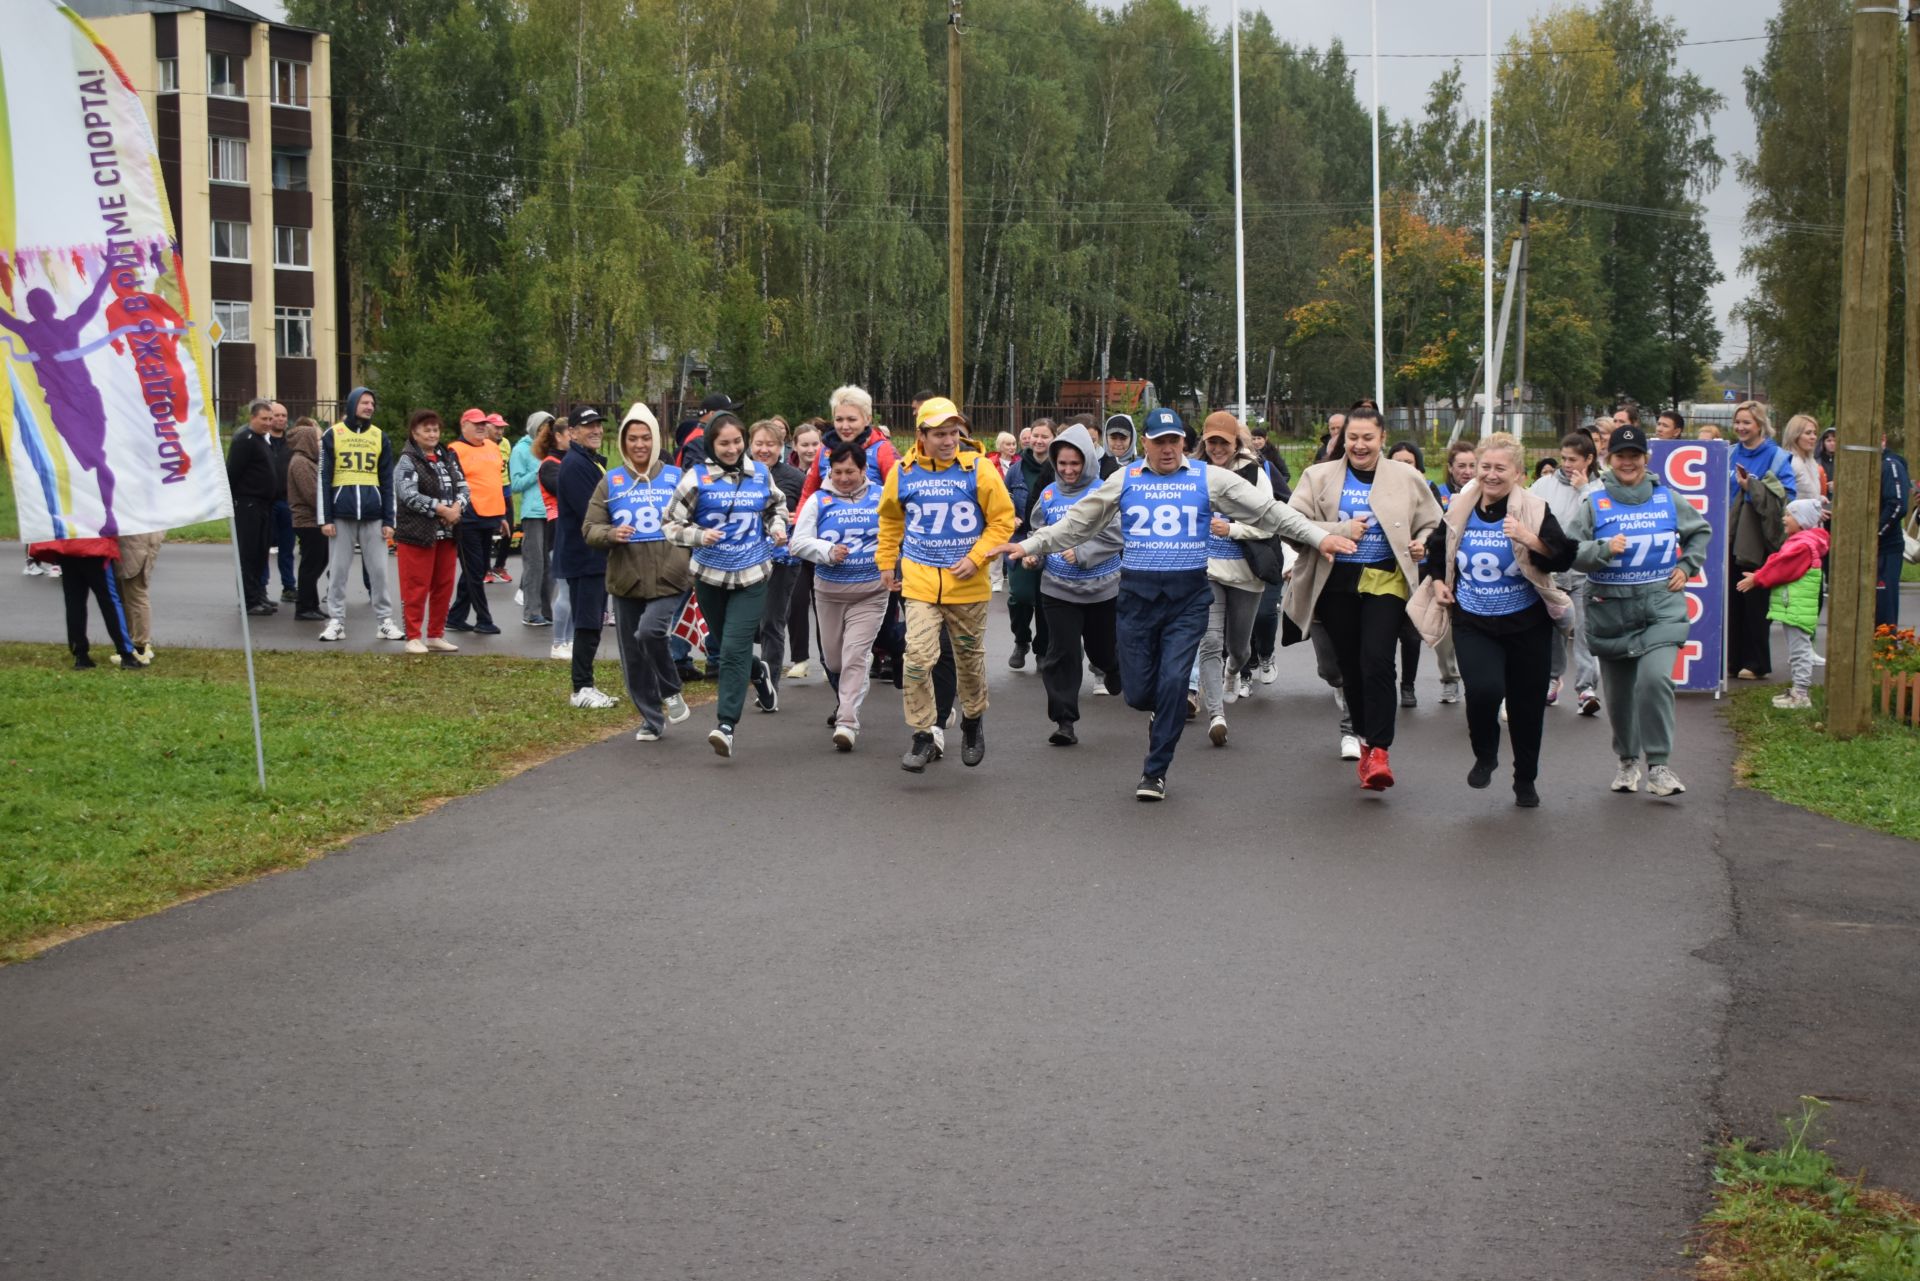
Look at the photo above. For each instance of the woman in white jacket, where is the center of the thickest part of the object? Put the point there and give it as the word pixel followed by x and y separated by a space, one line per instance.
pixel 1226 652
pixel 838 531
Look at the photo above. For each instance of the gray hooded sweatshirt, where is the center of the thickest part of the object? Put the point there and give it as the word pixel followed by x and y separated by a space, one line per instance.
pixel 1103 546
pixel 1106 439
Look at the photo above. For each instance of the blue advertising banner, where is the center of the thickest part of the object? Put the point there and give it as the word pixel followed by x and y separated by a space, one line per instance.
pixel 1701 471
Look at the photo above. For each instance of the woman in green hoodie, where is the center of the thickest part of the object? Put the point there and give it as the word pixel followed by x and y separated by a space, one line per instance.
pixel 1639 544
pixel 648 577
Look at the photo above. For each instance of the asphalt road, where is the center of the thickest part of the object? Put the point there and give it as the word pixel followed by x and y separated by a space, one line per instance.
pixel 646 1013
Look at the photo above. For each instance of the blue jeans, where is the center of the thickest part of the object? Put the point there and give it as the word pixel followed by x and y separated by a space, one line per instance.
pixel 1160 621
pixel 280 528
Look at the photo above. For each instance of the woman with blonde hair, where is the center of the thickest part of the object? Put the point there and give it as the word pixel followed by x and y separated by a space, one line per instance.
pixel 1492 566
pixel 850 410
pixel 1801 438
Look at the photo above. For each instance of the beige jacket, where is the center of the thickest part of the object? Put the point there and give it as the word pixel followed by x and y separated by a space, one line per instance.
pixel 1403 503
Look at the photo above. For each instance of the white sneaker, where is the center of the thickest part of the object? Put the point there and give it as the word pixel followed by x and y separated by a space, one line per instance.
pixel 1793 701
pixel 441 645
pixel 646 734
pixel 1268 672
pixel 1217 731
pixel 1230 693
pixel 561 651
pixel 34 569
pixel 1246 685
pixel 335 631
pixel 721 741
pixel 592 698
pixel 417 646
pixel 1627 777
pixel 387 631
pixel 1449 691
pixel 54 571
pixel 1349 747
pixel 797 672
pixel 844 737
pixel 1662 781
pixel 676 709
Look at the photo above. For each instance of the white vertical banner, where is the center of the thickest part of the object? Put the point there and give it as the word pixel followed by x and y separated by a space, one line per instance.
pixel 103 413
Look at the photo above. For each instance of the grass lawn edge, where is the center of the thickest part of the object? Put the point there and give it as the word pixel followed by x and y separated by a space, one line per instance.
pixel 1864 782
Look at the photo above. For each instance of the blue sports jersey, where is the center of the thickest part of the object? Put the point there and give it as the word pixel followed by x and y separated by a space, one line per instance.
pixel 1653 537
pixel 1164 518
pixel 853 523
pixel 1056 505
pixel 1356 500
pixel 637 503
pixel 1490 581
pixel 737 513
pixel 943 513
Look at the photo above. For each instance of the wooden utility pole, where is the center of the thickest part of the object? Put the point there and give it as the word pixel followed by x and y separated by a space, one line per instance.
pixel 956 222
pixel 1911 418
pixel 1861 403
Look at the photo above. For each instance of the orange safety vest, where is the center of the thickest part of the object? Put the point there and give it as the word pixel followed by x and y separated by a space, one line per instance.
pixel 481 464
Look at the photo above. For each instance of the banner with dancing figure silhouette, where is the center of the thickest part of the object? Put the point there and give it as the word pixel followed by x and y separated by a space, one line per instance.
pixel 103 414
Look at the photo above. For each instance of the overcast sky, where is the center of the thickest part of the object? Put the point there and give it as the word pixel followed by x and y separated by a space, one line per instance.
pixel 1459 26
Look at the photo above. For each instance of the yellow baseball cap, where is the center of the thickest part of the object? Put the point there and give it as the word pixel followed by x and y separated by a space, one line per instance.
pixel 937 411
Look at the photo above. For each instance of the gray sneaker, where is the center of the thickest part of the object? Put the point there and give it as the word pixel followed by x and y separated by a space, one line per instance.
pixel 676 709
pixel 1662 781
pixel 1628 777
pixel 1449 691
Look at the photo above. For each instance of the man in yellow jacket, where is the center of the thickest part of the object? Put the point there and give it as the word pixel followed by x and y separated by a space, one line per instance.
pixel 941 513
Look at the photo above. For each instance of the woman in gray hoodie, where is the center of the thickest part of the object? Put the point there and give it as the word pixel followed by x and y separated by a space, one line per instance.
pixel 1078 586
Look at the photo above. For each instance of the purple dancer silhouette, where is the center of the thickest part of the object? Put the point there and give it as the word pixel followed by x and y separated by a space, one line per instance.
pixel 74 404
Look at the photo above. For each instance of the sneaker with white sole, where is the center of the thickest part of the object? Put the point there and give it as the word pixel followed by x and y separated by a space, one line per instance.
pixel 1349 747
pixel 1793 701
pixel 844 737
pixel 646 734
pixel 1662 781
pixel 766 695
pixel 1246 685
pixel 1627 777
pixel 441 645
pixel 561 652
pixel 387 631
pixel 1230 688
pixel 721 740
pixel 1819 659
pixel 417 646
pixel 335 630
pixel 1268 672
pixel 592 699
pixel 1217 731
pixel 676 709
pixel 34 569
pixel 798 671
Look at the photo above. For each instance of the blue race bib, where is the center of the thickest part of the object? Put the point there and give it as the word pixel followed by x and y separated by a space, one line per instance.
pixel 1056 505
pixel 637 503
pixel 943 513
pixel 1164 518
pixel 852 523
pixel 1356 500
pixel 736 511
pixel 1652 532
pixel 1490 581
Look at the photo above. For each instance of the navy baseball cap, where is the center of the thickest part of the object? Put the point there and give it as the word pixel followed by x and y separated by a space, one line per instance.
pixel 1163 422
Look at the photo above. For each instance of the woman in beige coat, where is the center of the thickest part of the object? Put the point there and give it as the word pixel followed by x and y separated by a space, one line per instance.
pixel 1361 596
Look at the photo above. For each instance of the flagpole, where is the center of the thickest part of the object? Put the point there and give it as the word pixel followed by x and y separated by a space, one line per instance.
pixel 246 644
pixel 1239 226
pixel 1486 241
pixel 1379 292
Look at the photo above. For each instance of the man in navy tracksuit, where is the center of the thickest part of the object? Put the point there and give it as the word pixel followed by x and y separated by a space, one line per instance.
pixel 1896 496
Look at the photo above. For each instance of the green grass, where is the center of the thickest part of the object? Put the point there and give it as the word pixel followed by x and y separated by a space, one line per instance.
pixel 1867 781
pixel 129 790
pixel 1785 1215
pixel 212 531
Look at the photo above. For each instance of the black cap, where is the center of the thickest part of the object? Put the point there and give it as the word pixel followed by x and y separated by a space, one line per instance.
pixel 583 416
pixel 1625 438
pixel 719 402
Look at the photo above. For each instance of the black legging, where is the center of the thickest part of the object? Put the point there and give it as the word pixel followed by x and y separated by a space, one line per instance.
pixel 1515 668
pixel 1075 628
pixel 1365 629
pixel 1749 644
pixel 800 613
pixel 314 550
pixel 1410 644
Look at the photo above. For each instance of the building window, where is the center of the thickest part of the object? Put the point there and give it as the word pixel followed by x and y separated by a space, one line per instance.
pixel 224 76
pixel 293 332
pixel 289 170
pixel 291 246
pixel 289 83
pixel 236 320
pixel 227 160
pixel 230 243
pixel 169 75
